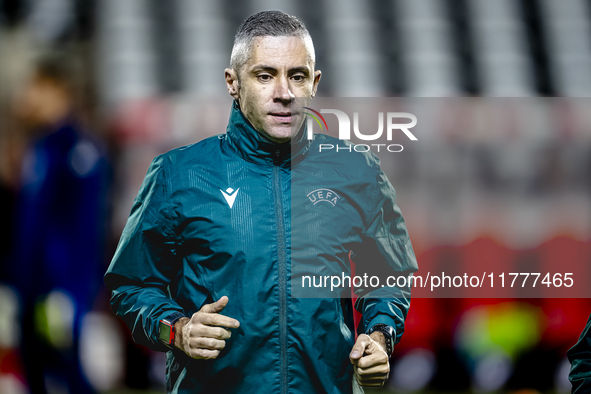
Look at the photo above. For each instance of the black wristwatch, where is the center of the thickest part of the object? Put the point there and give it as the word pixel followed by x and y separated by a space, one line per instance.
pixel 166 329
pixel 389 335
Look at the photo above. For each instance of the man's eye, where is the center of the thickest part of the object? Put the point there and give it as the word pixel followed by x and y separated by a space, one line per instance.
pixel 298 78
pixel 264 77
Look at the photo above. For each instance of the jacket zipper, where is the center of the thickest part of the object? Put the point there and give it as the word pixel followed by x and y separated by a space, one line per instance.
pixel 281 271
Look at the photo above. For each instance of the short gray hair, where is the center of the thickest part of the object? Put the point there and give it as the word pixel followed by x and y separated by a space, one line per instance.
pixel 267 23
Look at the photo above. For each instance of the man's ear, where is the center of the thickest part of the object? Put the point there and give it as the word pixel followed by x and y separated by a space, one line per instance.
pixel 317 75
pixel 232 83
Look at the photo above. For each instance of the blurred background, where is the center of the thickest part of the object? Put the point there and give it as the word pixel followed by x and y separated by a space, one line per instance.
pixel 91 91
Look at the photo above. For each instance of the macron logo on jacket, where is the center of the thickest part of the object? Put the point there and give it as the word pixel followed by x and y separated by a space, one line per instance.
pixel 230 195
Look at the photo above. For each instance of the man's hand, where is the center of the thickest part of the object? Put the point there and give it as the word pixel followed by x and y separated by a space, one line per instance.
pixel 202 336
pixel 371 364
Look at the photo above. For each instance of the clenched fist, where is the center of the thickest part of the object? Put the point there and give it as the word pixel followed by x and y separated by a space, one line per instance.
pixel 371 363
pixel 203 335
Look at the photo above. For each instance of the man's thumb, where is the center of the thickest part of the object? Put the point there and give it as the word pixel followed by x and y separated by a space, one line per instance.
pixel 358 348
pixel 216 307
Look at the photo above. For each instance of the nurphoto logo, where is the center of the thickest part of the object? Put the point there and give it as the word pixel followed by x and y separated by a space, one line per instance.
pixel 396 122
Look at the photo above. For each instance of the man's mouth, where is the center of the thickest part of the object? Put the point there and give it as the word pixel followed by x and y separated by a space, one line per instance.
pixel 282 117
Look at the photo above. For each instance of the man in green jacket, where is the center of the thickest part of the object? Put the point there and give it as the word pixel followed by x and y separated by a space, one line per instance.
pixel 580 359
pixel 206 265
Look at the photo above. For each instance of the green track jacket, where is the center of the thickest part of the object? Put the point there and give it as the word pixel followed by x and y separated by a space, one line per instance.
pixel 580 358
pixel 241 216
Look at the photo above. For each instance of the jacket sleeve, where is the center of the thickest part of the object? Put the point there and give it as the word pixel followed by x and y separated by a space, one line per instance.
pixel 144 264
pixel 580 359
pixel 386 252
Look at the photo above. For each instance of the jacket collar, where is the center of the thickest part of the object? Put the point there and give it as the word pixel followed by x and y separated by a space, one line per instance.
pixel 254 147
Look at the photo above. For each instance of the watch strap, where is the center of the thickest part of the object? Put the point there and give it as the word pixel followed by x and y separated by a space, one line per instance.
pixel 388 333
pixel 175 317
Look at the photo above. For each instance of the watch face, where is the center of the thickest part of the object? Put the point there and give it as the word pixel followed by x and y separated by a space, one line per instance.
pixel 165 332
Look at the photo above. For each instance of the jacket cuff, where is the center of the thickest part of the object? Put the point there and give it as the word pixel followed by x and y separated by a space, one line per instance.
pixel 382 319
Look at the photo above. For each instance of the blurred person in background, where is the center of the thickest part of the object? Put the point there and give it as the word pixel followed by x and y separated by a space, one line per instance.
pixel 580 358
pixel 59 228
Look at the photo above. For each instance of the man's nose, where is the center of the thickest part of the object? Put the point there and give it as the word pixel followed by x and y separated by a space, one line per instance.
pixel 283 91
